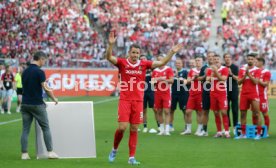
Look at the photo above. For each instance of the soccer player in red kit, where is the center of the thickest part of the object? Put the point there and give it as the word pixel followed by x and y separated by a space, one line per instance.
pixel 217 75
pixel 249 76
pixel 162 78
pixel 130 108
pixel 263 85
pixel 195 98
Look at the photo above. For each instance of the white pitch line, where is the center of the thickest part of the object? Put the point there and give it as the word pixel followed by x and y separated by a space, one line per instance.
pixel 107 100
pixel 11 121
pixel 97 102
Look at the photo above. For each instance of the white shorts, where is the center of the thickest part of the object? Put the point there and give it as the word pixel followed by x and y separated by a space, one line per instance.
pixel 7 93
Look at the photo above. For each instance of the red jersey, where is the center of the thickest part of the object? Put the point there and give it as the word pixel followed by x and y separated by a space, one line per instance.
pixel 132 78
pixel 196 84
pixel 161 87
pixel 265 76
pixel 248 87
pixel 218 87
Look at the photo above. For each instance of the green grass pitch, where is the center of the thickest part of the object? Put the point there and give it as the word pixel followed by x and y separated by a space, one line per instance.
pixel 152 151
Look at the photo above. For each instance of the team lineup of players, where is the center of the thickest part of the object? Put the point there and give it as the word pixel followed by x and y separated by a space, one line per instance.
pixel 212 86
pixel 209 87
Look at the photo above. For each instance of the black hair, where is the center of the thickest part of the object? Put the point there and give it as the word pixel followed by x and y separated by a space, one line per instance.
pixel 225 55
pixel 134 46
pixel 251 55
pixel 198 56
pixel 217 55
pixel 38 55
pixel 261 59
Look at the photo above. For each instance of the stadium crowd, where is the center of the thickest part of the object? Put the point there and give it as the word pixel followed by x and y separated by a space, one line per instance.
pixel 250 27
pixel 62 29
pixel 156 25
pixel 56 27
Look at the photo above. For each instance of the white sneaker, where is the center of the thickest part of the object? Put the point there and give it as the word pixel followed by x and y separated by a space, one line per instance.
pixel 145 130
pixel 152 131
pixel 197 132
pixel 25 156
pixel 161 133
pixel 218 135
pixel 139 130
pixel 258 137
pixel 9 112
pixel 52 155
pixel 171 129
pixel 223 132
pixel 2 111
pixel 241 136
pixel 18 109
pixel 158 129
pixel 167 133
pixel 227 134
pixel 186 132
pixel 203 133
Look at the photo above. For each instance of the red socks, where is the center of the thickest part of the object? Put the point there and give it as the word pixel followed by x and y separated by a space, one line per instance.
pixel 267 121
pixel 243 127
pixel 218 122
pixel 254 120
pixel 132 143
pixel 259 130
pixel 117 138
pixel 225 122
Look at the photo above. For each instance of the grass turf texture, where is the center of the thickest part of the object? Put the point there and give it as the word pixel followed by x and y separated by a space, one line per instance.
pixel 152 150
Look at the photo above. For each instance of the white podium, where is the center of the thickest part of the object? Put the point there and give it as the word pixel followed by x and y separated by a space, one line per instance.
pixel 72 128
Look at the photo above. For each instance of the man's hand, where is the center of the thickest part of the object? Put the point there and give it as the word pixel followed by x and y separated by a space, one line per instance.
pixel 166 59
pixel 230 71
pixel 194 77
pixel 247 71
pixel 55 100
pixel 111 39
pixel 177 48
pixel 214 68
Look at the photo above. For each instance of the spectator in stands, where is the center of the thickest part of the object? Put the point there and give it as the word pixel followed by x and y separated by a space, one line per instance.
pixel 19 91
pixel 2 71
pixel 250 28
pixel 7 80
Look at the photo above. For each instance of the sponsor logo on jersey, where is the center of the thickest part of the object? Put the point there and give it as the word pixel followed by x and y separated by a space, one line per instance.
pixel 133 72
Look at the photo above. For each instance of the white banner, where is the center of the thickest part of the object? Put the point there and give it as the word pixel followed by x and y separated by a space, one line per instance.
pixel 72 128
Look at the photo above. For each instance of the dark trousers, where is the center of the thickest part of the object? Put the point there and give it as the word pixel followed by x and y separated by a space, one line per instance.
pixel 40 114
pixel 224 21
pixel 233 97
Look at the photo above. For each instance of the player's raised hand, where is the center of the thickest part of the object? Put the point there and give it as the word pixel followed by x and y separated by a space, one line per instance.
pixel 111 38
pixel 177 48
